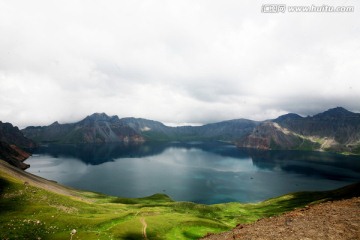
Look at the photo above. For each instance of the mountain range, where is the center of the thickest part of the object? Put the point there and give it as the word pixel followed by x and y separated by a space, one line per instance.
pixel 101 128
pixel 336 129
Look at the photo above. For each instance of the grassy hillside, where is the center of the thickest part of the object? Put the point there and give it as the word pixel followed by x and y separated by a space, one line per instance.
pixel 35 208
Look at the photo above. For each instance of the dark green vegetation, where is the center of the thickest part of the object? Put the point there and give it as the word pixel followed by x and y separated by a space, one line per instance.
pixel 33 208
pixel 336 130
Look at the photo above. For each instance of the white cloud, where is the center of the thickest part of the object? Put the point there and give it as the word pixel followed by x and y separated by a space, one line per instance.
pixel 173 61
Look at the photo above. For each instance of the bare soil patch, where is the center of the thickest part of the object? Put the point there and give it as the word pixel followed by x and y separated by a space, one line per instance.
pixel 335 220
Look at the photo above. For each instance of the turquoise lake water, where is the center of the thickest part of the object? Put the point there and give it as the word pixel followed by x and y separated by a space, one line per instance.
pixel 201 172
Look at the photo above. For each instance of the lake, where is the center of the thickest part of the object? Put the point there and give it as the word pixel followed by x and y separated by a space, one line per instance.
pixel 201 172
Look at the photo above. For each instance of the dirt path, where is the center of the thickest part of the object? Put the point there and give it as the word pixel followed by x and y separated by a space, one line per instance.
pixel 338 220
pixel 143 222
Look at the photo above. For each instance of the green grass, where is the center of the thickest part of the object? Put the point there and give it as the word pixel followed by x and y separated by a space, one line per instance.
pixel 28 212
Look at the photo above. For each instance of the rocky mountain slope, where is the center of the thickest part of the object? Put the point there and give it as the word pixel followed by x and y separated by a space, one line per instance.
pixel 13 136
pixel 11 142
pixel 13 155
pixel 335 130
pixel 338 123
pixel 270 135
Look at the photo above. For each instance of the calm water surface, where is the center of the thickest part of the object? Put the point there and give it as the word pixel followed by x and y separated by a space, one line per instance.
pixel 198 172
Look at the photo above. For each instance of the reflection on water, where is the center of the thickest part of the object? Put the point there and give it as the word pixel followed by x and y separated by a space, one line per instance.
pixel 200 172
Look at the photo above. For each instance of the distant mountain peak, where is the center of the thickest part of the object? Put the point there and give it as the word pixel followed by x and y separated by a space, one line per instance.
pixel 336 112
pixel 287 117
pixel 55 123
pixel 98 117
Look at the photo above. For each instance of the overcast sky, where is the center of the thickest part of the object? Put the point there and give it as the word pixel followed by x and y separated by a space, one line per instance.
pixel 174 61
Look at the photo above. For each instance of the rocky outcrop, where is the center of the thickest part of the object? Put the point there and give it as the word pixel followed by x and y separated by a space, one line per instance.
pixel 13 155
pixel 13 136
pixel 12 141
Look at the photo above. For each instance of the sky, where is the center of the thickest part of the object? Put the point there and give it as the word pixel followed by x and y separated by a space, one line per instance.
pixel 178 62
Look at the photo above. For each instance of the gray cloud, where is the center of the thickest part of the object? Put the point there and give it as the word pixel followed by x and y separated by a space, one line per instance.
pixel 176 62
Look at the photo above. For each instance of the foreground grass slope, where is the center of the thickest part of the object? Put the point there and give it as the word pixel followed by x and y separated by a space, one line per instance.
pixel 35 208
